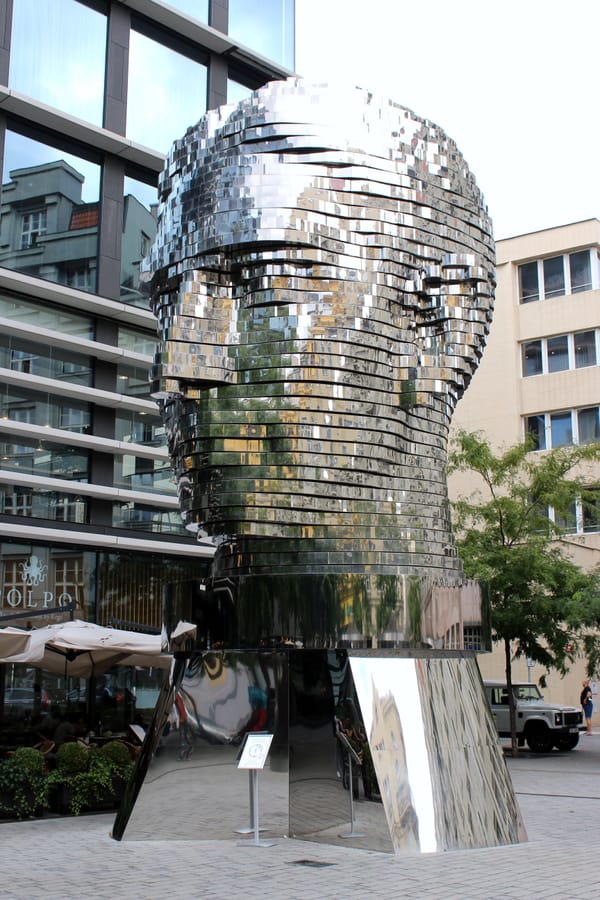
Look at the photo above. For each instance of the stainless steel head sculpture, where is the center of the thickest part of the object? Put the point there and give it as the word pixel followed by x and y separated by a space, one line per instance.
pixel 323 281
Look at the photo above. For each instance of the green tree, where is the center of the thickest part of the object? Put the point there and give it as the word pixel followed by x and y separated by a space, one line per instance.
pixel 542 605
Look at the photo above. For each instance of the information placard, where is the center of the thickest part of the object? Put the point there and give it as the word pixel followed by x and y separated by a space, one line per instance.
pixel 255 751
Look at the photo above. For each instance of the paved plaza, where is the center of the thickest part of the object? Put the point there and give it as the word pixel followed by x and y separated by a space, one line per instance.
pixel 559 797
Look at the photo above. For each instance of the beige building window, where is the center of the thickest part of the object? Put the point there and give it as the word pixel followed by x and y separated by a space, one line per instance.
pixel 542 279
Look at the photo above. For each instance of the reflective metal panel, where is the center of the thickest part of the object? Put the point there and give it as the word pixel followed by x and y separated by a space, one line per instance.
pixel 186 784
pixel 443 780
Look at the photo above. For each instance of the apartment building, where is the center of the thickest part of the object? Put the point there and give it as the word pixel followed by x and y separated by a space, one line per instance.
pixel 540 374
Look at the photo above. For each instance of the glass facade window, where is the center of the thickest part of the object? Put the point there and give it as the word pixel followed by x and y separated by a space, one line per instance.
pixel 23 454
pixel 554 277
pixel 35 578
pixel 40 504
pixel 102 587
pixel 148 518
pixel 558 353
pixel 140 428
pixel 140 474
pixel 133 381
pixel 44 361
pixel 166 92
pixel 58 51
pixel 139 229
pixel 532 358
pixel 137 341
pixel 237 92
pixel 197 9
pixel 267 28
pixel 585 349
pixel 21 404
pixel 43 315
pixel 580 271
pixel 50 213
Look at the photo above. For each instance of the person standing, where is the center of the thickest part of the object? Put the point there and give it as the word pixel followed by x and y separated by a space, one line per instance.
pixel 587 702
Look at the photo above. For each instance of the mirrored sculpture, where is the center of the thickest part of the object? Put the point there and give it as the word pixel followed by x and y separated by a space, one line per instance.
pixel 323 278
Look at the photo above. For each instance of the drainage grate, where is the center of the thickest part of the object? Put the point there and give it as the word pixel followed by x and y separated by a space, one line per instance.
pixel 314 863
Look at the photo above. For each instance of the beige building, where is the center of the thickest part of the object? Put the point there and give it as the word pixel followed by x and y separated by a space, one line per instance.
pixel 540 375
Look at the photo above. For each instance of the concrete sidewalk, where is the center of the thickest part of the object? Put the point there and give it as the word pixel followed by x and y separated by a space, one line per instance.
pixel 559 796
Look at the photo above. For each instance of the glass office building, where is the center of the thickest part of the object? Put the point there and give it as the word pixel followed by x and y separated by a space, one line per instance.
pixel 92 93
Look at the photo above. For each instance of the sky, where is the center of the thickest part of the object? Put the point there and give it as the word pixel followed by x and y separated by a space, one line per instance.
pixel 514 83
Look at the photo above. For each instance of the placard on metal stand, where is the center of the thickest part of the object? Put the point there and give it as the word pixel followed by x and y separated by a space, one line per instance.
pixel 353 757
pixel 253 756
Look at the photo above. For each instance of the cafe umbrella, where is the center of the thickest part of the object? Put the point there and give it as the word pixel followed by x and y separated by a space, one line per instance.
pixel 82 649
pixel 13 640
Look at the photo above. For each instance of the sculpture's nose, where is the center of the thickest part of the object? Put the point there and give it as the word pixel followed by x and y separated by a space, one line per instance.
pixel 195 324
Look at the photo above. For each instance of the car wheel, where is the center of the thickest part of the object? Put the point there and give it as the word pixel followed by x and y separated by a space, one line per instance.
pixel 567 743
pixel 538 738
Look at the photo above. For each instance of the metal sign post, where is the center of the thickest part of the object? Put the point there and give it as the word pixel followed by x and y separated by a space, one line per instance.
pixel 353 757
pixel 253 757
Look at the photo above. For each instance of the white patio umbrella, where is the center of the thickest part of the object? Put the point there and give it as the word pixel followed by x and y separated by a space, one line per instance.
pixel 13 640
pixel 82 649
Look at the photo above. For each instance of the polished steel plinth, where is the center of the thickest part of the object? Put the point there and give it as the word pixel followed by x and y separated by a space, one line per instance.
pixel 431 775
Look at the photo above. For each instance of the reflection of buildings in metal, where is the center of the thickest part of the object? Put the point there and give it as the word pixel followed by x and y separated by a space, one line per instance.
pixel 443 780
pixel 346 610
pixel 389 758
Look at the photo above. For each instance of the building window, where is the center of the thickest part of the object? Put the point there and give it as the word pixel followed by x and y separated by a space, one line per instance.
pixel 590 511
pixel 59 36
pixel 528 282
pixel 16 501
pixel 267 27
pixel 585 349
pixel 536 432
pixel 547 431
pixel 557 354
pixel 588 425
pixel 74 419
pixel 555 276
pixel 73 183
pixel 21 361
pixel 581 272
pixel 561 429
pixel 33 225
pixel 472 637
pixel 566 520
pixel 158 110
pixel 531 352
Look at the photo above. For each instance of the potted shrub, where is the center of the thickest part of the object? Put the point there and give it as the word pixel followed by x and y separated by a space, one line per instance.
pixel 23 791
pixel 89 777
pixel 72 759
pixel 118 757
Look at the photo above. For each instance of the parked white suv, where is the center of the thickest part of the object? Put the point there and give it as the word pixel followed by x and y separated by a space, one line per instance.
pixel 542 725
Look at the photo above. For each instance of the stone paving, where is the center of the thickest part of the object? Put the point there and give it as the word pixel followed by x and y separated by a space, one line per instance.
pixel 559 796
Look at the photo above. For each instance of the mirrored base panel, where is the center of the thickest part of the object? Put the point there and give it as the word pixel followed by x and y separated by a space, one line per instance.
pixel 391 751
